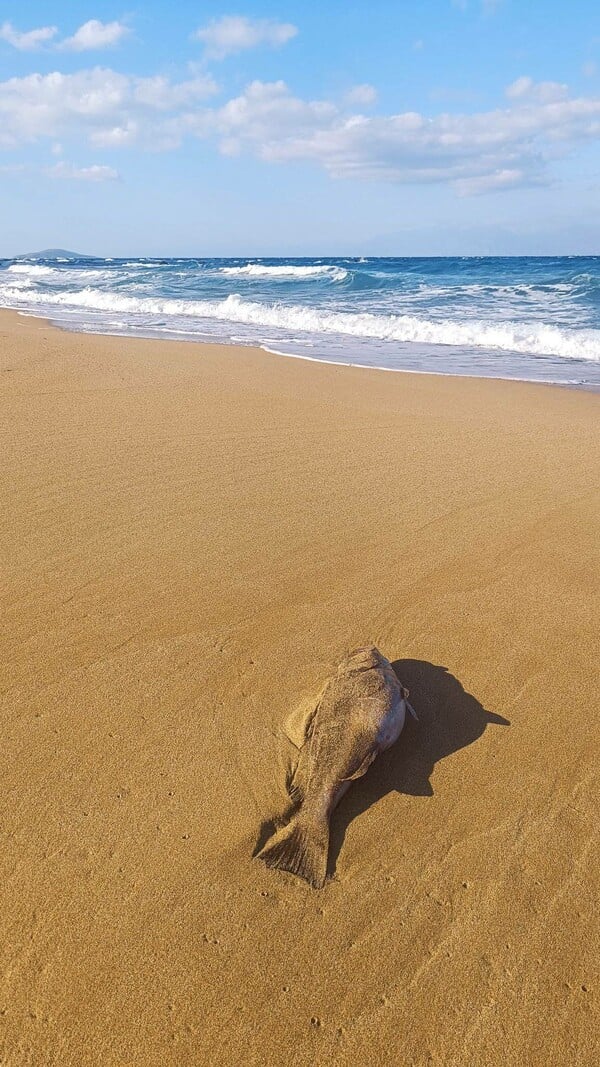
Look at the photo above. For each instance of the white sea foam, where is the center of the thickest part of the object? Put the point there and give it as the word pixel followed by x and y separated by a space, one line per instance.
pixel 529 338
pixel 20 282
pixel 26 274
pixel 260 270
pixel 31 269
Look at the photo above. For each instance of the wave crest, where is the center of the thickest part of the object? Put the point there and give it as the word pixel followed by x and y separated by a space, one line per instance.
pixel 533 338
pixel 264 270
pixel 30 269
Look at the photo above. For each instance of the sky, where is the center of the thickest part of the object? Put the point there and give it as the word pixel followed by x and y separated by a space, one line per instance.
pixel 338 127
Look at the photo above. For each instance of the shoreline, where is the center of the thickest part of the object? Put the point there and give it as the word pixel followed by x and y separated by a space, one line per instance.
pixel 156 336
pixel 191 542
pixel 437 374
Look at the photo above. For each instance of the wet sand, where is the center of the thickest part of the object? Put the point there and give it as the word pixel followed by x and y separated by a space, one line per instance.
pixel 191 537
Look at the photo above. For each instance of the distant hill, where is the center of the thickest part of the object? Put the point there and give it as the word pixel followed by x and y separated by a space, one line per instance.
pixel 52 253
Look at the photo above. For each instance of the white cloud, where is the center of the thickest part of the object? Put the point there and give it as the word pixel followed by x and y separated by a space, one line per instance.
pixel 362 94
pixel 95 173
pixel 497 180
pixel 236 33
pixel 476 152
pixel 590 69
pixel 107 107
pixel 487 6
pixel 542 92
pixel 94 35
pixel 159 93
pixel 29 40
pixel 267 115
pixel 520 87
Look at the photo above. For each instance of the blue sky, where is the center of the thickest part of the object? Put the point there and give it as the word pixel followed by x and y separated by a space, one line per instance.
pixel 278 128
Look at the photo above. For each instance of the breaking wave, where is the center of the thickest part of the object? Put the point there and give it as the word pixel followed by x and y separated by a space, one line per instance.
pixel 263 270
pixel 528 338
pixel 535 317
pixel 32 269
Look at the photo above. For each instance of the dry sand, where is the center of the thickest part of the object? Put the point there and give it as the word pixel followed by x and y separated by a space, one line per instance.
pixel 191 537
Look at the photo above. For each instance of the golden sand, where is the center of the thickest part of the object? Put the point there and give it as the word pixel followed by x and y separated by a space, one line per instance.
pixel 191 537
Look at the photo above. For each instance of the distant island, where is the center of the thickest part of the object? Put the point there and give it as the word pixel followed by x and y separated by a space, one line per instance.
pixel 53 253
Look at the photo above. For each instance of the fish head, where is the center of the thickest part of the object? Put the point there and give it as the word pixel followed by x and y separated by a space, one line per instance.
pixel 362 659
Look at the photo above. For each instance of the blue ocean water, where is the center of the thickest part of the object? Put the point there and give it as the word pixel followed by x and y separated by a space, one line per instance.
pixel 531 318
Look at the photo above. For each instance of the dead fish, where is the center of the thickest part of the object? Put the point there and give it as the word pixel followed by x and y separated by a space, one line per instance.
pixel 359 713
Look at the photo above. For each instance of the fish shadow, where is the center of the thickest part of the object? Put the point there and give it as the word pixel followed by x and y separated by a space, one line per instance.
pixel 449 719
pixel 267 829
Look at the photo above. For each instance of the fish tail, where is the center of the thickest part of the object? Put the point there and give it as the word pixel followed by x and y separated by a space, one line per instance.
pixel 300 847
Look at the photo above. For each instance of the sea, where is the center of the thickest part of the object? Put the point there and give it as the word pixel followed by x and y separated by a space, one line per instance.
pixel 531 318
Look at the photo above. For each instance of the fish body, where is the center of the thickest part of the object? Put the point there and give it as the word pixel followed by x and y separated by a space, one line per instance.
pixel 360 712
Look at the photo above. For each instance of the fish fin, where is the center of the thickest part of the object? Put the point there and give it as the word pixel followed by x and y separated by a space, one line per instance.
pixel 295 791
pixel 412 711
pixel 300 847
pixel 363 767
pixel 298 724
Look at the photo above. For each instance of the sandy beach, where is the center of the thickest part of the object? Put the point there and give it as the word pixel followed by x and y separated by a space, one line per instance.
pixel 191 537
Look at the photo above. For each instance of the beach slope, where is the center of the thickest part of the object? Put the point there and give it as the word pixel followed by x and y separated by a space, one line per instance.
pixel 191 538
